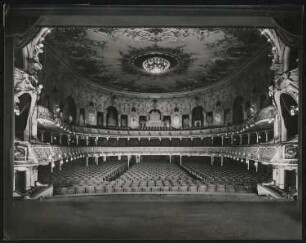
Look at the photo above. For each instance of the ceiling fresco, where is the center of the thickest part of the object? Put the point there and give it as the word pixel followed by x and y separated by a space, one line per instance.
pixel 155 60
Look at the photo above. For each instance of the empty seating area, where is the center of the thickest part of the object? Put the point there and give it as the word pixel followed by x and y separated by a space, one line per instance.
pixel 233 174
pixel 76 177
pixel 153 175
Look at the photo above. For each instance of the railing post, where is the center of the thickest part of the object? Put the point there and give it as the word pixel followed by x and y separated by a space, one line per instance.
pixel 77 140
pixel 222 161
pixel 86 140
pixel 248 163
pixel 97 160
pixel 68 139
pixel 181 162
pixel 51 137
pixel 249 138
pixel 60 139
pixel 222 140
pixel 240 139
pixel 212 160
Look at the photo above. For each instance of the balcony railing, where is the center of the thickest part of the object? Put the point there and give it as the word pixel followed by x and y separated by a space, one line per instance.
pixel 267 154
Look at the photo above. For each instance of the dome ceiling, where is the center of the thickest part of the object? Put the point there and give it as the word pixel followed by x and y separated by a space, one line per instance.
pixel 155 60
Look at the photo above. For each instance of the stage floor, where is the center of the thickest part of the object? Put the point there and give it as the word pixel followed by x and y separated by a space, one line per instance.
pixel 154 217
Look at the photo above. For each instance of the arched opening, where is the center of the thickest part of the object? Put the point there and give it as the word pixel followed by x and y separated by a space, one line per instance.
pixel 22 119
pixel 185 121
pixel 197 116
pixel 238 110
pixel 70 110
pixel 112 117
pixel 290 116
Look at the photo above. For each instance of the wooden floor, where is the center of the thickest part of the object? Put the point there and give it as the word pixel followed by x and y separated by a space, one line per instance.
pixel 153 217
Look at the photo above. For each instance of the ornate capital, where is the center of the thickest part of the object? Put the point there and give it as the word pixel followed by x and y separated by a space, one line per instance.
pixel 32 50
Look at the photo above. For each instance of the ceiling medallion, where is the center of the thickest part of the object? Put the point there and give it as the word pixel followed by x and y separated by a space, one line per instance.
pixel 156 65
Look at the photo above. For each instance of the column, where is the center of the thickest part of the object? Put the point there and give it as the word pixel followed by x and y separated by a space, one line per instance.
pixel 296 180
pixel 104 118
pixel 87 159
pixel 222 140
pixel 96 141
pixel 119 157
pixel 42 136
pixel 212 141
pixel 256 165
pixel 128 160
pixel 222 161
pixel 267 136
pixel 119 120
pixel 104 158
pixel 86 140
pixel 240 139
pixel 232 139
pixel 68 139
pixel 97 160
pixel 60 139
pixel 257 137
pixel 51 138
pixel 28 179
pixel 275 175
pixel 281 179
pixel 52 166
pixel 248 163
pixel 170 159
pixel 14 181
pixel 77 140
pixel 249 138
pixel 60 164
pixel 181 162
pixel 212 160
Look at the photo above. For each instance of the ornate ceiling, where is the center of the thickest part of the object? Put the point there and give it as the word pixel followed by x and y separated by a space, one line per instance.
pixel 131 59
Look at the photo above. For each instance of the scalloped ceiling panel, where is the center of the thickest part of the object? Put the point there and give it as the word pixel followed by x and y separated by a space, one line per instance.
pixel 114 57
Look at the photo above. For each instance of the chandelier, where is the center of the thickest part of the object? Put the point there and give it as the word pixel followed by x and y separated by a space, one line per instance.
pixel 156 65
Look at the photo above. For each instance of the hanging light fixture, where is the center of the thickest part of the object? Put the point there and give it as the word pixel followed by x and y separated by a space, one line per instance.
pixel 156 65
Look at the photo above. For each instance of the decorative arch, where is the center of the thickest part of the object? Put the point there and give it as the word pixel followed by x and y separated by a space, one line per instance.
pixel 197 116
pixel 112 117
